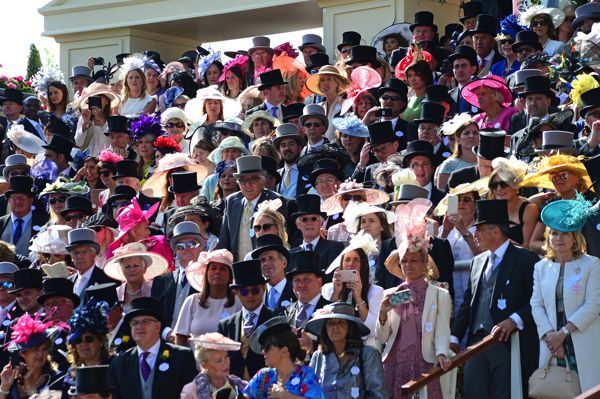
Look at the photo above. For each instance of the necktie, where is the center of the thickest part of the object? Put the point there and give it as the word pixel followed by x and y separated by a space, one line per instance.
pixel 249 323
pixel 244 241
pixel 491 266
pixel 144 366
pixel 288 178
pixel 18 231
pixel 272 298
pixel 183 280
pixel 309 247
pixel 302 316
pixel 273 112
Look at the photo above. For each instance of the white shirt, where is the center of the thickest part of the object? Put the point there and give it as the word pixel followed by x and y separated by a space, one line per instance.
pixel 313 242
pixel 153 354
pixel 82 280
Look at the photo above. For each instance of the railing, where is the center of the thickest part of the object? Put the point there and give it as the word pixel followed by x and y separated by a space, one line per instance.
pixel 593 393
pixel 412 386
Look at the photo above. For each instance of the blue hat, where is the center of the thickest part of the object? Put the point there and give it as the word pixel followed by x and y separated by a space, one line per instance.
pixel 92 317
pixel 567 215
pixel 350 125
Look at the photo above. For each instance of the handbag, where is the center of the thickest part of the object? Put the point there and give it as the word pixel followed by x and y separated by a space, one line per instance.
pixel 554 382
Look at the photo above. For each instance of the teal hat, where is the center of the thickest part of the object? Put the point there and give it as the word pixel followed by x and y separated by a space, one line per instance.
pixel 567 215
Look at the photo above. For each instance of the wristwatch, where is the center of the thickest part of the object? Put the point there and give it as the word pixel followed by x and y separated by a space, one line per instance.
pixel 565 331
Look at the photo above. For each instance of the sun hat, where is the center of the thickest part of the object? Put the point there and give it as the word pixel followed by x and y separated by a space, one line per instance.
pixel 25 140
pixel 194 272
pixel 567 215
pixel 173 113
pixel 216 341
pixel 360 240
pixel 539 173
pixel 51 241
pixel 480 186
pixel 469 91
pixel 247 124
pixel 157 184
pixel 194 107
pixel 272 326
pixel 355 210
pixel 227 143
pixel 336 310
pixel 94 90
pixel 332 206
pixel 350 125
pixel 156 264
pixel 556 14
pixel 14 161
pixel 312 82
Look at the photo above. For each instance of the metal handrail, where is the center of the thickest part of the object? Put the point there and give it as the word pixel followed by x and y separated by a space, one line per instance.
pixel 593 393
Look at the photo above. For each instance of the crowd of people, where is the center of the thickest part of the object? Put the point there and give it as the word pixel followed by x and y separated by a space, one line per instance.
pixel 296 224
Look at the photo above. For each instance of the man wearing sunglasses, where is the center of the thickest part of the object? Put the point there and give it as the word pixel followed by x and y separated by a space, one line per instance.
pixel 393 97
pixel 314 123
pixel 9 310
pixel 383 142
pixel 249 287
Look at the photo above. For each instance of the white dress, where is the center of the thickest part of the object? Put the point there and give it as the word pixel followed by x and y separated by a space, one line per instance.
pixel 134 106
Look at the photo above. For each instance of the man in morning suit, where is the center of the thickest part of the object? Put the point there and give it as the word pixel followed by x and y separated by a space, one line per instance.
pixel 9 309
pixel 249 286
pixel 289 143
pixel 272 87
pixel 153 369
pixel 383 142
pixel 497 302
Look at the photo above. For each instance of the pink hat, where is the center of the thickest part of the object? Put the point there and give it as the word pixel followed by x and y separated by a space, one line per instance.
pixel 130 216
pixel 469 91
pixel 217 341
pixel 194 272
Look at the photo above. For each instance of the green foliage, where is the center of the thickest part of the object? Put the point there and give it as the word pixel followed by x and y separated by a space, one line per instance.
pixel 34 63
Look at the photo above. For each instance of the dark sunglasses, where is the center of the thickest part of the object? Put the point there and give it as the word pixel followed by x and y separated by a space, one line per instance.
pixel 245 291
pixel 349 197
pixel 311 124
pixel 495 184
pixel 7 285
pixel 391 98
pixel 265 227
pixel 170 125
pixel 508 41
pixel 105 173
pixel 309 218
pixel 187 245
pixel 559 176
pixel 60 200
pixel 88 339
pixel 77 216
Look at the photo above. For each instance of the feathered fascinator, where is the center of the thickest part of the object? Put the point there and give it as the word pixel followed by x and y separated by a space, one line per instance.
pixel 360 240
pixel 239 61
pixel 286 48
pixel 207 61
pixel 66 187
pixel 222 166
pixel 166 145
pixel 92 317
pixel 414 55
pixel 146 124
pixel 135 61
pixel 581 84
pixel 385 171
pixel 29 332
pixel 271 205
pixel 404 176
pixel 450 127
pixel 411 227
pixel 509 27
pixel 362 79
pixel 109 156
pixel 46 75
pixel 568 215
pixel 510 170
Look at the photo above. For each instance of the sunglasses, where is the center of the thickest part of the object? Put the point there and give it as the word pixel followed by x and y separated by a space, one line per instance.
pixel 7 285
pixel 391 98
pixel 312 124
pixel 538 23
pixel 507 41
pixel 77 216
pixel 105 173
pixel 187 245
pixel 560 176
pixel 88 339
pixel 60 200
pixel 170 125
pixel 264 227
pixel 245 291
pixel 495 184
pixel 119 204
pixel 356 198
pixel 306 219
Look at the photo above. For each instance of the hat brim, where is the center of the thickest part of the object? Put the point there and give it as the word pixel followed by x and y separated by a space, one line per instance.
pixel 184 189
pixel 411 155
pixel 174 239
pixel 273 247
pixel 475 150
pixel 312 82
pixel 158 265
pixel 250 173
pixel 72 296
pixel 541 179
pixel 247 124
pixel 322 118
pixel 336 172
pixel 549 93
pixel 11 167
pixel 157 184
pixel 80 243
pixel 143 312
pixel 296 137
pixel 298 214
pixel 271 326
pixel 516 45
pixel 319 47
pixel 316 324
pixel 271 84
pixel 373 61
pixel 115 100
pixel 332 206
pixel 468 91
pixel 259 280
pixel 27 142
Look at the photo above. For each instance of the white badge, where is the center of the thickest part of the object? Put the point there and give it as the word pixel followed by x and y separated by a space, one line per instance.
pixel 6 323
pixel 507 282
pixel 163 366
pixel 58 341
pixel 399 133
pixel 428 326
pixel 36 228
pixel 433 306
pixel 285 303
pixel 118 341
pixel 295 381
pixel 354 370
pixel 446 154
pixel 354 392
pixel 501 303
pixel 598 227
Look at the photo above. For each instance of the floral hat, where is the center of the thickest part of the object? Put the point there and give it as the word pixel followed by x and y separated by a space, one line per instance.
pixel 216 341
pixel 449 128
pixel 130 216
pixel 355 210
pixel 51 241
pixel 538 174
pixel 194 272
pixel 568 215
pixel 29 332
pixel 62 186
pixel 361 240
pixel 107 156
pixel 469 91
pixel 332 205
pixel 92 317
pixel 156 263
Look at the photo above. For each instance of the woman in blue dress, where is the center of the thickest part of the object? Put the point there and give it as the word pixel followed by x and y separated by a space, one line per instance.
pixel 284 377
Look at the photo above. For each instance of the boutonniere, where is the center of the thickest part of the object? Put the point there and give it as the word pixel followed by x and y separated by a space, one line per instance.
pixel 164 357
pixel 122 340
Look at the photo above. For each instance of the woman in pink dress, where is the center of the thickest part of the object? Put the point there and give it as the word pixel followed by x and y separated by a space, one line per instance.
pixel 493 97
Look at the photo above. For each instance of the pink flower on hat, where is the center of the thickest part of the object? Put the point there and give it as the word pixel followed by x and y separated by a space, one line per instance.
pixel 130 216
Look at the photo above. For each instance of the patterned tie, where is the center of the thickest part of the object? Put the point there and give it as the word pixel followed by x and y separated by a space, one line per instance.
pixel 491 266
pixel 183 280
pixel 272 298
pixel 244 241
pixel 302 316
pixel 249 324
pixel 144 366
pixel 18 231
pixel 273 112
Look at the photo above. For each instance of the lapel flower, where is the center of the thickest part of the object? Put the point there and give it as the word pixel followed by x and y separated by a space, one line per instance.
pixel 165 355
pixel 125 339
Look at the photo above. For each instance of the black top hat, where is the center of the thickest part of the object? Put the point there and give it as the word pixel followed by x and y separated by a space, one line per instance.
pixel 77 203
pixel 304 262
pixel 269 242
pixel 58 287
pixel 316 61
pixel 60 145
pixel 470 10
pixel 326 165
pixel 145 305
pixel 20 184
pixel 121 192
pixel 91 380
pixel 155 56
pixel 592 165
pixel 415 148
pixel 381 132
pixel 364 55
pixel 437 94
pixel 395 85
pixel 270 166
pixel 106 292
pixel 449 31
pixel 308 204
pixel 27 278
pixel 60 128
pixel 247 273
pixel 271 78
pixel 431 113
pixel 126 168
pixel 233 54
pixel 537 85
pixel 526 38
pixel 491 144
pixel 486 24
pixel 466 52
pixel 184 182
pixel 349 38
pixel 423 18
pixel 492 212
pixel 117 124
pixel 293 110
pixel 590 99
pixel 12 95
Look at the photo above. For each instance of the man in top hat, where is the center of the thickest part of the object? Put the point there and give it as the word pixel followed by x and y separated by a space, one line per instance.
pixel 77 209
pixel 311 44
pixel 58 150
pixel 383 142
pixel 419 158
pixel 439 94
pixel 184 187
pixel 497 302
pixel 423 28
pixel 288 142
pixel 107 292
pixel 240 207
pixel 428 124
pixel 81 77
pixel 127 174
pixel 249 287
pixel 31 117
pixel 27 288
pixel 274 259
pixel 12 106
pixel 118 135
pixel 491 146
pixel 363 56
pixel 309 219
pixel 21 224
pixel 314 123
pixel 585 17
pixel 172 288
pixel 92 382
pixel 261 54
pixel 393 97
pixel 325 179
pixel 470 12
pixel 9 309
pixel 83 249
pixel 349 40
pixel 538 98
pixel 464 68
pixel 590 112
pixel 154 368
pixel 484 42
pixel 292 113
pixel 272 87
pixel 315 62
pixel 14 165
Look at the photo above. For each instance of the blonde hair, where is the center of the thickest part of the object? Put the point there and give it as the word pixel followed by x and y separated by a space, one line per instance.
pixel 278 220
pixel 458 149
pixel 293 93
pixel 579 246
pixel 125 92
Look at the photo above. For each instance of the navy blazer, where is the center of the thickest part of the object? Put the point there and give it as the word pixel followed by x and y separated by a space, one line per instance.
pixel 164 288
pixel 98 277
pixel 328 250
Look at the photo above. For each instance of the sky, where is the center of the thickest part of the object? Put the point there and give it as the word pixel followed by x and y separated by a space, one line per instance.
pixel 14 53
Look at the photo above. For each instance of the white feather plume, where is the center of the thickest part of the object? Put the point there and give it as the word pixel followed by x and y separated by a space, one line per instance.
pixel 364 241
pixel 510 170
pixel 272 205
pixel 450 127
pixel 404 176
pixel 46 75
pixel 136 61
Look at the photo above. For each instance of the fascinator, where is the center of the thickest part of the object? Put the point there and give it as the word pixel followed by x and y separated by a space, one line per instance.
pixel 46 75
pixel 25 140
pixel 568 215
pixel 166 145
pixel 350 125
pixel 240 61
pixel 413 55
pixel 130 216
pixel 582 84
pixel 29 332
pixel 268 205
pixel 588 46
pixel 510 170
pixel 557 15
pixel 360 240
pixel 91 317
pixel 285 59
pixel 146 124
pixel 109 156
pixel 509 27
pixel 450 127
pixel 135 61
pixel 171 95
pixel 207 61
pixel 362 79
pixel 51 241
pixel 354 211
pixel 66 187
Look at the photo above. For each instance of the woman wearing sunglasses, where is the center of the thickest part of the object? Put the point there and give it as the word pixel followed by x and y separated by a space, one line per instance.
pixel 176 125
pixel 544 21
pixel 58 193
pixel 268 221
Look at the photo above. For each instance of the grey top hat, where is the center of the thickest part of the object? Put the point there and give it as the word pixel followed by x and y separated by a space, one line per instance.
pixel 82 236
pixel 260 42
pixel 287 131
pixel 314 111
pixel 312 40
pixel 14 161
pixel 7 269
pixel 249 165
pixel 517 79
pixel 559 140
pixel 185 229
pixel 586 11
pixel 408 192
pixel 80 71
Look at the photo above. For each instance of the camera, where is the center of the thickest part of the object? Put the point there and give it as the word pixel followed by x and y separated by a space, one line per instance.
pixel 98 61
pixel 384 112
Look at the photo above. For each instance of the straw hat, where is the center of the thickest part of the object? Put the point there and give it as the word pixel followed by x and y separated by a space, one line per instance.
pixel 332 205
pixel 155 264
pixel 247 125
pixel 557 15
pixel 97 89
pixel 540 176
pixel 481 186
pixel 312 82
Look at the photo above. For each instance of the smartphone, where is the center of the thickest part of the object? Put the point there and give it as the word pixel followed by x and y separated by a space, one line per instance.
pixel 349 276
pixel 452 205
pixel 384 112
pixel 94 101
pixel 400 297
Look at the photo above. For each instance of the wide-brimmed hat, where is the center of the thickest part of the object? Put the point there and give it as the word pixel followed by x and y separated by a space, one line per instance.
pixel 354 211
pixel 586 11
pixel 269 242
pixel 82 236
pixel 308 204
pixel 227 143
pixel 491 144
pixel 326 165
pixel 540 176
pixel 423 18
pixel 271 78
pixel 312 82
pixel 260 43
pixel 314 111
pixel 77 203
pixel 466 52
pixel 25 140
pixel 272 326
pixel 81 71
pixel 486 24
pixel 364 55
pixel 61 145
pixel 247 124
pixel 492 211
pixel 184 182
pixel 431 112
pixel 20 184
pixel 312 40
pixel 332 205
pixel 480 186
pixel 144 306
pixel 185 229
pixel 526 38
pixel 287 131
pixel 173 113
pixel 350 125
pixel 217 342
pixel 98 89
pixel 470 10
pixel 557 140
pixel 469 91
pixel 14 161
pixel 27 278
pixel 13 95
pixel 316 61
pixel 194 107
pixel 130 216
pixel 304 262
pixel 401 31
pixel 417 148
pixel 156 264
pixel 349 38
pixel 556 14
pixel 249 165
pixel 92 380
pixel 194 272
pixel 247 273
pixel 58 287
pixel 51 241
pixel 337 310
